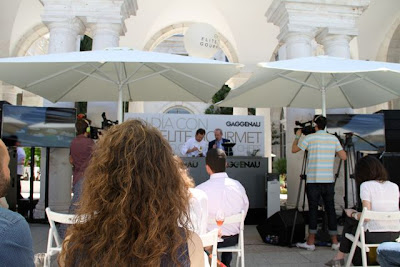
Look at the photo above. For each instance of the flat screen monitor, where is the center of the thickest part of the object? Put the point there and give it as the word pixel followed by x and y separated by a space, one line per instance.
pixel 366 130
pixel 38 126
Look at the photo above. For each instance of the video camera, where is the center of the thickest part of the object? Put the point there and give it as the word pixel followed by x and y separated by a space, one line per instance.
pixel 105 124
pixel 306 127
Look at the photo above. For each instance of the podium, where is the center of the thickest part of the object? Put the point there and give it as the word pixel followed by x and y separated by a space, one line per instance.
pixel 228 148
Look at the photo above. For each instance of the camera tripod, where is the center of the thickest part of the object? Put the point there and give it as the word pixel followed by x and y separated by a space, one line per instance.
pixel 348 147
pixel 303 177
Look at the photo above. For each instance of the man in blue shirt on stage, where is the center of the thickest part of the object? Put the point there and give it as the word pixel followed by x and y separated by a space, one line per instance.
pixel 218 141
pixel 15 236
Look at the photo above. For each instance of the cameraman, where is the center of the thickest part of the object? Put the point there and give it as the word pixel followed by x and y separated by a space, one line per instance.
pixel 320 182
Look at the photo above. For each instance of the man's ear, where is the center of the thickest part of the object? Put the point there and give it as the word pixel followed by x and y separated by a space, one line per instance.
pixel 208 169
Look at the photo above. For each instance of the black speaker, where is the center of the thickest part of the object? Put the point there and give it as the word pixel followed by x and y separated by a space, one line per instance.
pixel 392 130
pixel 391 161
pixel 280 224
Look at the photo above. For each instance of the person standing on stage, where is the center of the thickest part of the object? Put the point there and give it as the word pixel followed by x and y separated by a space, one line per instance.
pixel 218 141
pixel 80 154
pixel 79 157
pixel 225 195
pixel 320 182
pixel 195 146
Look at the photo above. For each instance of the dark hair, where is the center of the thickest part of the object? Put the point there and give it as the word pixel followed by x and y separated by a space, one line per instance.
pixel 81 125
pixel 368 169
pixel 320 121
pixel 216 160
pixel 201 131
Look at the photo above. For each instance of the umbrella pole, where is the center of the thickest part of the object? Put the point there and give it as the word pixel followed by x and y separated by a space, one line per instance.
pixel 323 94
pixel 120 104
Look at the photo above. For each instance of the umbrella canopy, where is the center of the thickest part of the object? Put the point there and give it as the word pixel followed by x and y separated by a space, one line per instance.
pixel 117 74
pixel 318 82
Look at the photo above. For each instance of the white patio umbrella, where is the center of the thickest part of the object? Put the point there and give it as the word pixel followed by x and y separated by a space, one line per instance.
pixel 318 82
pixel 117 74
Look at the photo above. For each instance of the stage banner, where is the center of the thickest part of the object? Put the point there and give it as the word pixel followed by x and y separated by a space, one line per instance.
pixel 246 131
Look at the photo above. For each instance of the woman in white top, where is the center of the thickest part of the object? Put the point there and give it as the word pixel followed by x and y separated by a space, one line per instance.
pixel 377 194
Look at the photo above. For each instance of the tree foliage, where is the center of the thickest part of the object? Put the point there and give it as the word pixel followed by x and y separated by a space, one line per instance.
pixel 219 96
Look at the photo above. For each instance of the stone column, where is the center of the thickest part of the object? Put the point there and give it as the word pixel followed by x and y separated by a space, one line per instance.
pixel 297 42
pixel 335 45
pixel 107 25
pixel 64 33
pixel 105 35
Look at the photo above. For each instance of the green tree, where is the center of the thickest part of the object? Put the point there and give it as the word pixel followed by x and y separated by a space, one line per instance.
pixel 219 96
pixel 28 156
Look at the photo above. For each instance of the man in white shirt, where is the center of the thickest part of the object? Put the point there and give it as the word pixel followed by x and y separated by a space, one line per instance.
pixel 195 146
pixel 21 156
pixel 224 194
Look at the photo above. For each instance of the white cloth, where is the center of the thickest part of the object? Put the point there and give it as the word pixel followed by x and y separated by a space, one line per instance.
pixel 383 197
pixel 21 160
pixel 198 211
pixel 192 142
pixel 228 195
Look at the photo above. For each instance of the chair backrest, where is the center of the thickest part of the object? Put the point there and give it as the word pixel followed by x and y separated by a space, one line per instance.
pixel 54 217
pixel 211 239
pixel 359 237
pixel 379 215
pixel 237 218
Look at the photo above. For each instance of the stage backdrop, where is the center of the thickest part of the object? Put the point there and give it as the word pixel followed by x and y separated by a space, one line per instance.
pixel 246 131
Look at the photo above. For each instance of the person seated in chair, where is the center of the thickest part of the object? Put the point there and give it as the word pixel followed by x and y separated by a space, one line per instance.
pixel 15 236
pixel 389 254
pixel 136 203
pixel 377 194
pixel 226 195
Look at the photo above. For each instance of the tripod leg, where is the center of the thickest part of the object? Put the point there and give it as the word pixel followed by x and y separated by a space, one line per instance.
pixel 295 214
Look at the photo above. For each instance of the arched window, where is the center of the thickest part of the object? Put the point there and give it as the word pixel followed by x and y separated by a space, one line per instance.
pixel 178 110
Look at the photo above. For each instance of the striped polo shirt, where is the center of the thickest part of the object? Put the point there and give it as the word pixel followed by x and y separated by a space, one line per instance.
pixel 322 148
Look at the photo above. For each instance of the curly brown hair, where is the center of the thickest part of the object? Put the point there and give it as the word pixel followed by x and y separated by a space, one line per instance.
pixel 135 197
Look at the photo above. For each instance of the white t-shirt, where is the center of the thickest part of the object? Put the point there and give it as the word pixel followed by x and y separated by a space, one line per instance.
pixel 198 211
pixel 21 160
pixel 192 142
pixel 383 197
pixel 228 195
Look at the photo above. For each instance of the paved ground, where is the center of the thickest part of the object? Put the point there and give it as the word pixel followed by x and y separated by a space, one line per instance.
pixel 257 253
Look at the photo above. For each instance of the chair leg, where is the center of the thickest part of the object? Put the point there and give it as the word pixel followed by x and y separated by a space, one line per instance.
pixel 46 262
pixel 237 259
pixel 242 258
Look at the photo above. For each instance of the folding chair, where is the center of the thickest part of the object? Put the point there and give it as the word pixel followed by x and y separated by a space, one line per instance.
pixel 211 239
pixel 359 238
pixel 239 247
pixel 54 217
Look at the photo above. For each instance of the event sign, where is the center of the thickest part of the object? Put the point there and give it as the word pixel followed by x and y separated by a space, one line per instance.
pixel 246 131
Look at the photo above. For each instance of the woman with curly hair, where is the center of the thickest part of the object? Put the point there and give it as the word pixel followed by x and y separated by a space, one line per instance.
pixel 136 202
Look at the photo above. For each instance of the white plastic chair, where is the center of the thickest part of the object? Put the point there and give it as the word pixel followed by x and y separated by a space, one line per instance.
pixel 211 239
pixel 359 238
pixel 239 247
pixel 54 217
